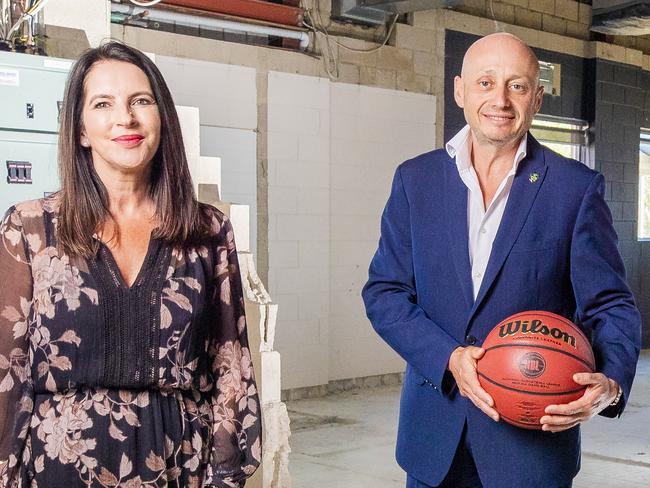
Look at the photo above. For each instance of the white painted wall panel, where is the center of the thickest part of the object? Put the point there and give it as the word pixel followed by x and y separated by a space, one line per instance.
pixel 332 151
pixel 225 94
pixel 299 174
pixel 93 16
pixel 373 131
pixel 226 97
pixel 237 149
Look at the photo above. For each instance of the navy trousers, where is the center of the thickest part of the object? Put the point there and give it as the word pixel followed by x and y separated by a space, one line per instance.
pixel 462 473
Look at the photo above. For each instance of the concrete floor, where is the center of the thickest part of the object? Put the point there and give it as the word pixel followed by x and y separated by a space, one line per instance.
pixel 348 441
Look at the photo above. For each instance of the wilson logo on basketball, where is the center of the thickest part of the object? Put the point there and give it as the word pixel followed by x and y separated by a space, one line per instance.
pixel 535 327
pixel 532 365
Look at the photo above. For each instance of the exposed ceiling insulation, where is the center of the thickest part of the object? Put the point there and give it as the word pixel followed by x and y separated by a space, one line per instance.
pixel 621 17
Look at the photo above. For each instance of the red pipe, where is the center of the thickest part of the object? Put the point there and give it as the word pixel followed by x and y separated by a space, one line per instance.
pixel 251 9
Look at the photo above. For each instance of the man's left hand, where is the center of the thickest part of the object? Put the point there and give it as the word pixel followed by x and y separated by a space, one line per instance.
pixel 600 393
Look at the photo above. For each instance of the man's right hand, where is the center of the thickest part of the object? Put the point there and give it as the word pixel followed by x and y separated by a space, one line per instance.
pixel 462 365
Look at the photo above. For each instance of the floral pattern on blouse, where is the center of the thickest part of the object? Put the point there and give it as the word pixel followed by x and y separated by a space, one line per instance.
pixel 70 355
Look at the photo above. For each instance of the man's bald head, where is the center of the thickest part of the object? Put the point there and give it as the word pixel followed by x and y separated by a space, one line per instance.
pixel 499 89
pixel 505 44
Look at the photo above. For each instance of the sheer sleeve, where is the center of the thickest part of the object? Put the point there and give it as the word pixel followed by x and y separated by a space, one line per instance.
pixel 236 448
pixel 16 393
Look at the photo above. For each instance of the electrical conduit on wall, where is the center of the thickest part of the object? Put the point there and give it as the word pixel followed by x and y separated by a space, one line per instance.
pixel 197 20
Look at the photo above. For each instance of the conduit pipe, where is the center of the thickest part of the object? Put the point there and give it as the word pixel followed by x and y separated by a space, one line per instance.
pixel 166 16
pixel 252 9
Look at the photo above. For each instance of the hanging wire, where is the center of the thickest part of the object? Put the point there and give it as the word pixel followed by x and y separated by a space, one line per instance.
pixel 320 32
pixel 375 49
pixel 497 28
pixel 314 22
pixel 28 14
pixel 5 18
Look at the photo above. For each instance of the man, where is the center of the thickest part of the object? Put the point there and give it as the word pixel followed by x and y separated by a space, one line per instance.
pixel 495 225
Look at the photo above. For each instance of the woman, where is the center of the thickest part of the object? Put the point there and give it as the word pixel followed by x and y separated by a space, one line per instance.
pixel 124 358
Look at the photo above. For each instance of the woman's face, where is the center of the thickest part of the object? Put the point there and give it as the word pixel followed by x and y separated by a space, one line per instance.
pixel 121 122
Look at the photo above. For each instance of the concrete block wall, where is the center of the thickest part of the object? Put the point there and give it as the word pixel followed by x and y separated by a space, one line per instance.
pixel 93 18
pixel 261 316
pixel 226 101
pixel 226 94
pixel 622 102
pixel 641 43
pixel 237 150
pixel 298 212
pixel 332 150
pixel 373 130
pixel 564 17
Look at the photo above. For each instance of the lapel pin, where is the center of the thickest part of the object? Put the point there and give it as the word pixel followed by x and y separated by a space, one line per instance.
pixel 533 177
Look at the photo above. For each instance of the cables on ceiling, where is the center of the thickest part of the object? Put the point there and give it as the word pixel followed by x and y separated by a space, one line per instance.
pixel 31 8
pixel 314 21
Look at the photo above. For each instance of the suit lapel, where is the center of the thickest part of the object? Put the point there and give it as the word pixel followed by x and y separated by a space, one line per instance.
pixel 526 184
pixel 458 233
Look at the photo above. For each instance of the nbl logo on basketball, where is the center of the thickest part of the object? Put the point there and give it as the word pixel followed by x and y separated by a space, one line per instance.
pixel 532 365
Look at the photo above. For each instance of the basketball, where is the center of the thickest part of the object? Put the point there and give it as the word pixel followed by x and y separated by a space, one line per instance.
pixel 529 362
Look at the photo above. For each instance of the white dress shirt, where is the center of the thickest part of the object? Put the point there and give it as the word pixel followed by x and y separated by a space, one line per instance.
pixel 483 223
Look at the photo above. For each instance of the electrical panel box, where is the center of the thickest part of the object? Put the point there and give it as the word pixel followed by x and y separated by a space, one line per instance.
pixel 31 95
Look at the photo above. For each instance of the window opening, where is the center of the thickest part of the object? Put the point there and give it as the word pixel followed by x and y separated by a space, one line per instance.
pixel 644 186
pixel 568 137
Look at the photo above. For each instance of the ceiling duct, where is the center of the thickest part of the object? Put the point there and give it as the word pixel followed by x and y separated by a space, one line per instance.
pixel 123 13
pixel 376 12
pixel 252 9
pixel 621 17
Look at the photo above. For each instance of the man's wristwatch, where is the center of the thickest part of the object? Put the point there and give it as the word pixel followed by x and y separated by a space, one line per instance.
pixel 619 394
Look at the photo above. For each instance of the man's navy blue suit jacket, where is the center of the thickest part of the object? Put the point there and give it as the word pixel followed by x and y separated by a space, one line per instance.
pixel 555 250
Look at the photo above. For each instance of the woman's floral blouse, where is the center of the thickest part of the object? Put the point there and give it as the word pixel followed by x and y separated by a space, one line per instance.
pixel 106 385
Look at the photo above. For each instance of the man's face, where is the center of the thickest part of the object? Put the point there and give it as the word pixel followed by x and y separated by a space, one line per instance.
pixel 498 90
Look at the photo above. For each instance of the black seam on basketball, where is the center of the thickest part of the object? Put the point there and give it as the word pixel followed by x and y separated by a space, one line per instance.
pixel 546 314
pixel 542 347
pixel 518 422
pixel 539 393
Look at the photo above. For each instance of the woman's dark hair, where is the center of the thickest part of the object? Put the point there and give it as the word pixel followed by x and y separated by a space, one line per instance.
pixel 84 199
